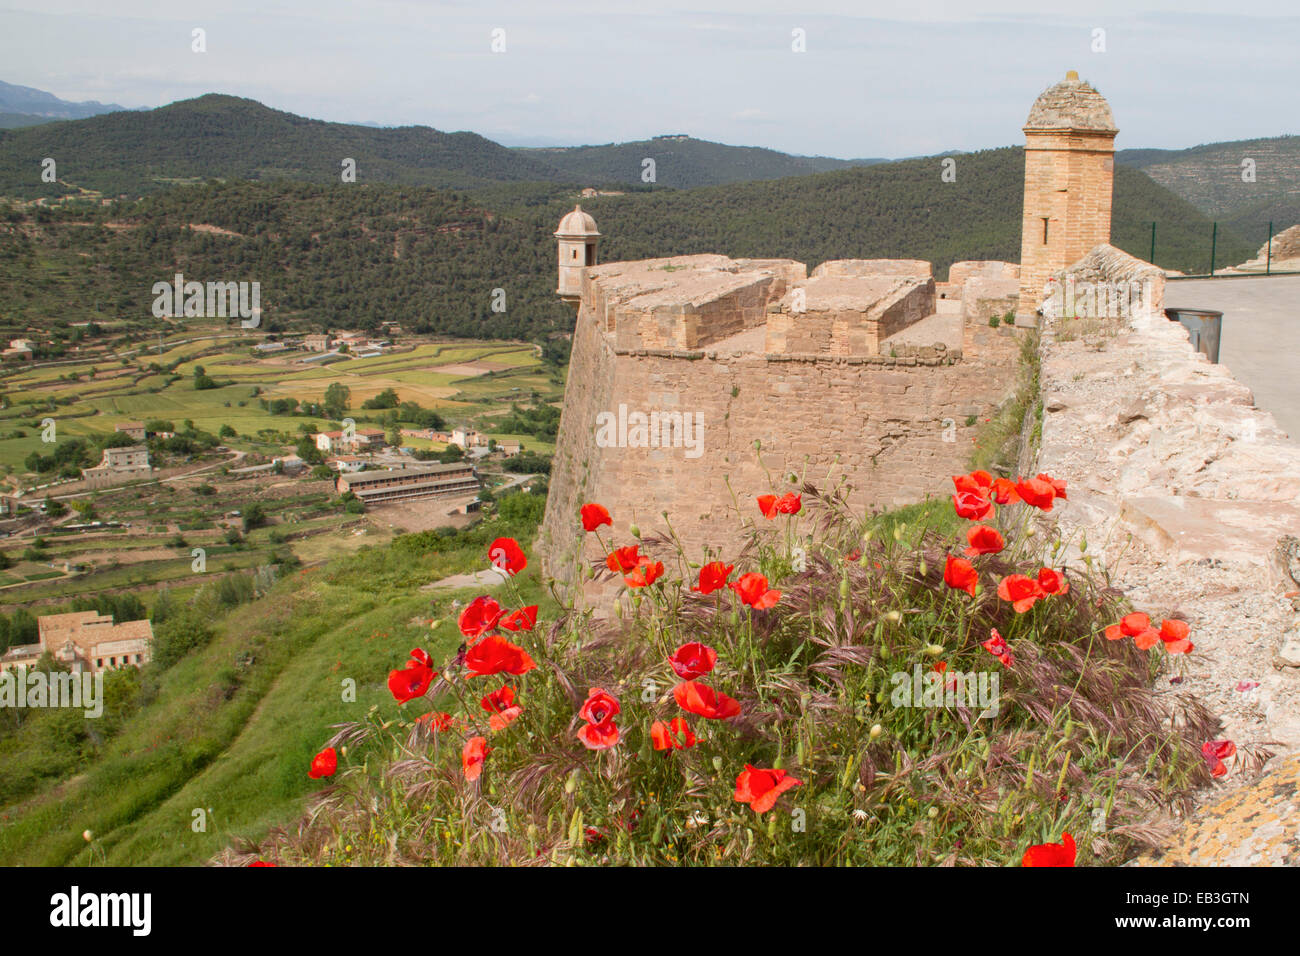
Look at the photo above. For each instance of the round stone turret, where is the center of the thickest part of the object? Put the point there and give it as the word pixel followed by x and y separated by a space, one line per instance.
pixel 577 237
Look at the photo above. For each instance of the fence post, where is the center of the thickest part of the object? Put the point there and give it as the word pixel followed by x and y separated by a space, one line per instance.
pixel 1268 264
pixel 1214 244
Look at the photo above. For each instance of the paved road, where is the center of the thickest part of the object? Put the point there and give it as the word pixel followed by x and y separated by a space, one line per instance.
pixel 1261 336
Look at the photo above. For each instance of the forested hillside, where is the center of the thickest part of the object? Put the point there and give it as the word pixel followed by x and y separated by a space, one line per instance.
pixel 226 137
pixel 900 209
pixel 682 162
pixel 1210 178
pixel 354 255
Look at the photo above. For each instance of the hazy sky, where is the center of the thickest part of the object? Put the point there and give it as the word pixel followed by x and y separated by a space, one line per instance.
pixel 877 79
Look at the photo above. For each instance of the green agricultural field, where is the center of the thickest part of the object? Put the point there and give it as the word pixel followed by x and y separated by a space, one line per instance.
pixel 443 377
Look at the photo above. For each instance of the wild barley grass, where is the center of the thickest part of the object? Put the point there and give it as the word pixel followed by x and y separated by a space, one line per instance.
pixel 1081 741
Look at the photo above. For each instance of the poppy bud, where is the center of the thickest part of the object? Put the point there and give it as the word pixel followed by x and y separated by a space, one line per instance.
pixel 717 764
pixel 87 835
pixel 934 650
pixel 934 812
pixel 634 531
pixel 844 588
pixel 893 617
pixel 924 567
pixel 876 731
pixel 571 784
pixel 1030 531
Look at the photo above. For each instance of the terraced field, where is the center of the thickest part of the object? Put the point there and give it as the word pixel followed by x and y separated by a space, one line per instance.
pixel 465 382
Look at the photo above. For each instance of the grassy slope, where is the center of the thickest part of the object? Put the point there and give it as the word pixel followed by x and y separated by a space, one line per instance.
pixel 238 736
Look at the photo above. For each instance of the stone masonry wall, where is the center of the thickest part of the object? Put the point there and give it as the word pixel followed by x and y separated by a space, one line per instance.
pixel 1188 496
pixel 895 426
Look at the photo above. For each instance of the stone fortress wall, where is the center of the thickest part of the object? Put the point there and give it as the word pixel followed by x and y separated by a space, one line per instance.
pixel 866 370
pixel 847 372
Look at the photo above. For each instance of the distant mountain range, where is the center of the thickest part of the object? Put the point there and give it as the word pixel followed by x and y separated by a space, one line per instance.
pixel 118 152
pixel 25 106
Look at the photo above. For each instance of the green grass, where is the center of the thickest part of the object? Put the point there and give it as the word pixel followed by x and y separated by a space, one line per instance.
pixel 231 726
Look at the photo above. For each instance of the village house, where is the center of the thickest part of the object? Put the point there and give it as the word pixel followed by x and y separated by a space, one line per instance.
pixel 316 343
pixel 509 448
pixel 346 464
pixel 332 442
pixel 370 439
pixel 85 641
pixel 118 464
pixel 467 438
pixel 19 350
pixel 134 430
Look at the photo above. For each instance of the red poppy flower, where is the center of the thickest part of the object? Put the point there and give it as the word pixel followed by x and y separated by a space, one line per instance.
pixel 1036 492
pixel 593 516
pixel 1174 634
pixel 437 720
pixel 480 616
pixel 411 681
pixel 261 863
pixel 983 540
pixel 644 574
pixel 599 706
pixel 761 788
pixel 753 590
pixel 1058 485
pixel 1147 639
pixel 494 654
pixel 1130 625
pixel 599 736
pixel 971 506
pixel 1051 854
pixel 959 574
pixel 622 559
pixel 1215 752
pixel 703 701
pixel 1052 582
pixel 713 576
pixel 472 756
pixel 693 660
pixel 520 620
pixel 1021 590
pixel 421 656
pixel 772 505
pixel 501 705
pixel 999 648
pixel 1004 491
pixel 976 483
pixel 324 764
pixel 673 735
pixel 506 555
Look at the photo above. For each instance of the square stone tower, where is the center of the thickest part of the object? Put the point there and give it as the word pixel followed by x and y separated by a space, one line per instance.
pixel 1069 172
